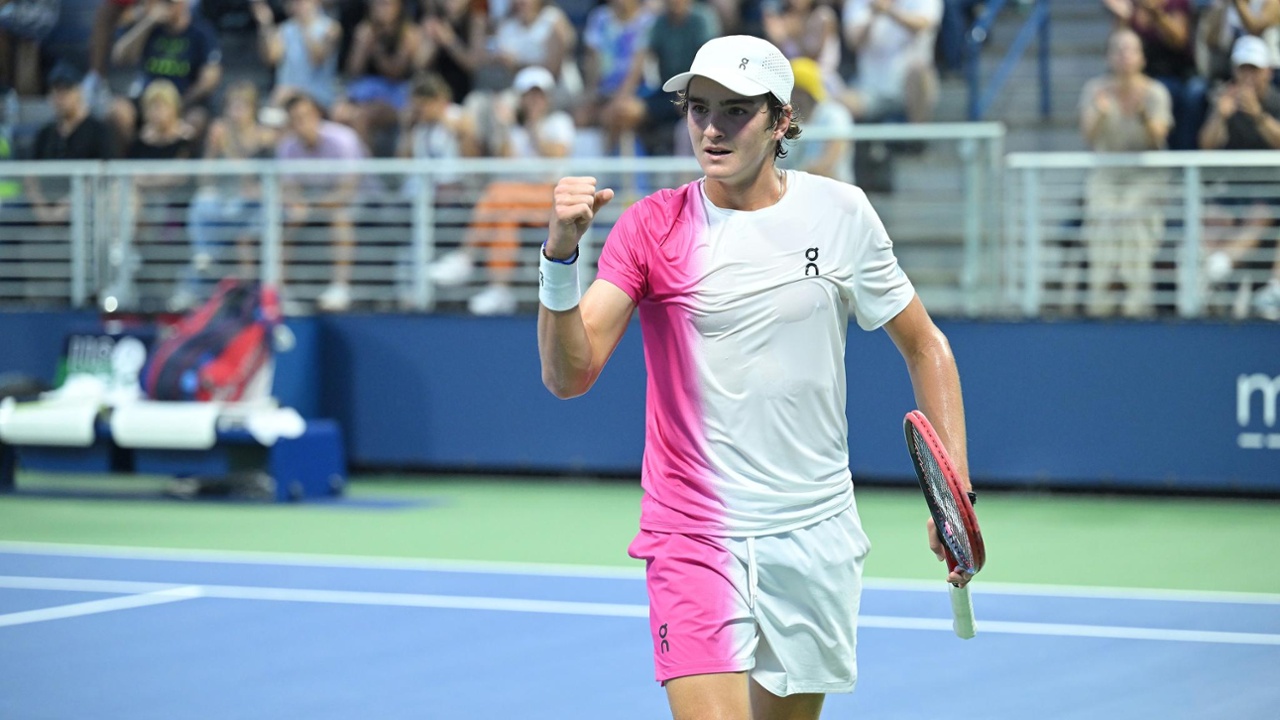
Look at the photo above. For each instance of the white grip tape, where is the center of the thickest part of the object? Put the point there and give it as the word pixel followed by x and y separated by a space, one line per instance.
pixel 558 285
pixel 962 612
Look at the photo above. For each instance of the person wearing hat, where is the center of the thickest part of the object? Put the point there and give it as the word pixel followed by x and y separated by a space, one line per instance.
pixel 507 205
pixel 833 157
pixel 1245 111
pixel 745 281
pixel 73 134
pixel 1246 116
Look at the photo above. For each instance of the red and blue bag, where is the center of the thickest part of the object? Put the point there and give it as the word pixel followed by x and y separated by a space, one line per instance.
pixel 218 350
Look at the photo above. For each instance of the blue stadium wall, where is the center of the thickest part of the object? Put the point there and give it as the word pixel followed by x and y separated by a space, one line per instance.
pixel 1159 405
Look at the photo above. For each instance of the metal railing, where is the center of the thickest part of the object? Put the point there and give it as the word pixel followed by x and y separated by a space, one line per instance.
pixel 156 235
pixel 1185 233
pixel 1034 29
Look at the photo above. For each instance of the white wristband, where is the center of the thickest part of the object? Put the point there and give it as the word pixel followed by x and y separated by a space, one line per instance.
pixel 558 284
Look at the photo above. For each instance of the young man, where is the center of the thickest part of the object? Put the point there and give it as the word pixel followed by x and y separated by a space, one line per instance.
pixel 312 201
pixel 745 281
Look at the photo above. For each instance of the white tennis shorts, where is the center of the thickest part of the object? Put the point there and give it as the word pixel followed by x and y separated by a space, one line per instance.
pixel 783 607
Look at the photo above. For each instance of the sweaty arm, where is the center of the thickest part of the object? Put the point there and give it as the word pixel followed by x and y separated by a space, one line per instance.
pixel 934 379
pixel 575 343
pixel 936 383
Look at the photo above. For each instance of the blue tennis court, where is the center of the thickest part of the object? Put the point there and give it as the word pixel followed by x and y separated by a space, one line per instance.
pixel 90 632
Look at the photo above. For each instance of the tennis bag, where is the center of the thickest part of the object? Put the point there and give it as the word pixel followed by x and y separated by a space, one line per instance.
pixel 218 350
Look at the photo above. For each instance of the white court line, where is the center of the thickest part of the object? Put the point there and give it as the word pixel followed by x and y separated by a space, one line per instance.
pixel 94 607
pixel 244 557
pixel 557 607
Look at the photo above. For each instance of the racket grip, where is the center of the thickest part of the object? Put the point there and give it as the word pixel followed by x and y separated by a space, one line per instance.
pixel 962 612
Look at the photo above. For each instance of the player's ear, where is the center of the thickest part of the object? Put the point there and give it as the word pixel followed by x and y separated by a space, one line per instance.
pixel 784 123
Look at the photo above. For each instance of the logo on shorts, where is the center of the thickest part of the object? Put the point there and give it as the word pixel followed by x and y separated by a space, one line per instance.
pixel 663 646
pixel 812 256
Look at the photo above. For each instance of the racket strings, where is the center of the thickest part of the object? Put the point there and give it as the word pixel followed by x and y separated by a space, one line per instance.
pixel 953 528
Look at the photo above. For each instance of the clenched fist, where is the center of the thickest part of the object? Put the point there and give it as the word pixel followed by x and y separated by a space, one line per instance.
pixel 576 203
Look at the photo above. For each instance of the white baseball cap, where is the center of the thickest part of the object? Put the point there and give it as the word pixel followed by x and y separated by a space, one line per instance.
pixel 1251 50
pixel 744 64
pixel 531 77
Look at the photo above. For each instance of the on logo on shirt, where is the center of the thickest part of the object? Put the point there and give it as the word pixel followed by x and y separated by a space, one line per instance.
pixel 812 256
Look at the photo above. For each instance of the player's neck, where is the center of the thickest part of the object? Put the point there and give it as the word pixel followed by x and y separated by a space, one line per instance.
pixel 762 191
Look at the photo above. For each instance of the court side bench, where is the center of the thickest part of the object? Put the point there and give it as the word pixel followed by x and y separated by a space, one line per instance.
pixel 296 458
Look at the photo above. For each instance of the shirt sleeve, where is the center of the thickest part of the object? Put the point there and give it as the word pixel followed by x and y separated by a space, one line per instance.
pixel 880 289
pixel 623 261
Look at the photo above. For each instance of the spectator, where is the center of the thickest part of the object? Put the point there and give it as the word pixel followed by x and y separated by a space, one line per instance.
pixel 506 206
pixel 454 33
pixel 673 40
pixel 807 28
pixel 169 43
pixel 322 200
pixel 302 49
pixel 73 134
pixel 160 201
pixel 1225 21
pixel 386 50
pixel 1245 116
pixel 227 211
pixel 1123 111
pixel 533 33
pixel 1164 26
pixel 614 38
pixel 432 131
pixel 164 135
pixel 830 158
pixel 894 41
pixel 432 122
pixel 23 24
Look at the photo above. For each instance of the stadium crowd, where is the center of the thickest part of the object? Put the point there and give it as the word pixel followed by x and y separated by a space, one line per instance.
pixel 543 78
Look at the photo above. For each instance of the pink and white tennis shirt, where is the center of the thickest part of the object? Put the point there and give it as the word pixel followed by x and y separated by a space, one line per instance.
pixel 745 316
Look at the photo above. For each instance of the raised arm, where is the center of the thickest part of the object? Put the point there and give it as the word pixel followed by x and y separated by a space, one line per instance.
pixel 575 341
pixel 128 49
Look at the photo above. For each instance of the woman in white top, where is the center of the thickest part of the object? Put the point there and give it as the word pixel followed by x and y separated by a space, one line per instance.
pixel 506 206
pixel 1123 111
pixel 534 32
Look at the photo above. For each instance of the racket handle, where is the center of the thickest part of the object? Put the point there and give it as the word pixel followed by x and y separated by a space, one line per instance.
pixel 962 612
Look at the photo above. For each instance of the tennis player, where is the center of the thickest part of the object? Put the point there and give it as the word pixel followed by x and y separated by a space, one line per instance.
pixel 745 281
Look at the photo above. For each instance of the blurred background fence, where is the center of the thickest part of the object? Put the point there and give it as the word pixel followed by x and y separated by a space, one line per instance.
pixel 1164 215
pixel 981 233
pixel 148 236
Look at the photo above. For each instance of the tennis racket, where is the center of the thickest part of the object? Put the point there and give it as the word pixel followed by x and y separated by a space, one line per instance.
pixel 952 512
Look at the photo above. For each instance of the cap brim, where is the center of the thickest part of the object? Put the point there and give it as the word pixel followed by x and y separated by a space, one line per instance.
pixel 734 82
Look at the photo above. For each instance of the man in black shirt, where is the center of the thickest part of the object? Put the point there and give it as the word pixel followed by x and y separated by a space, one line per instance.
pixel 170 42
pixel 72 135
